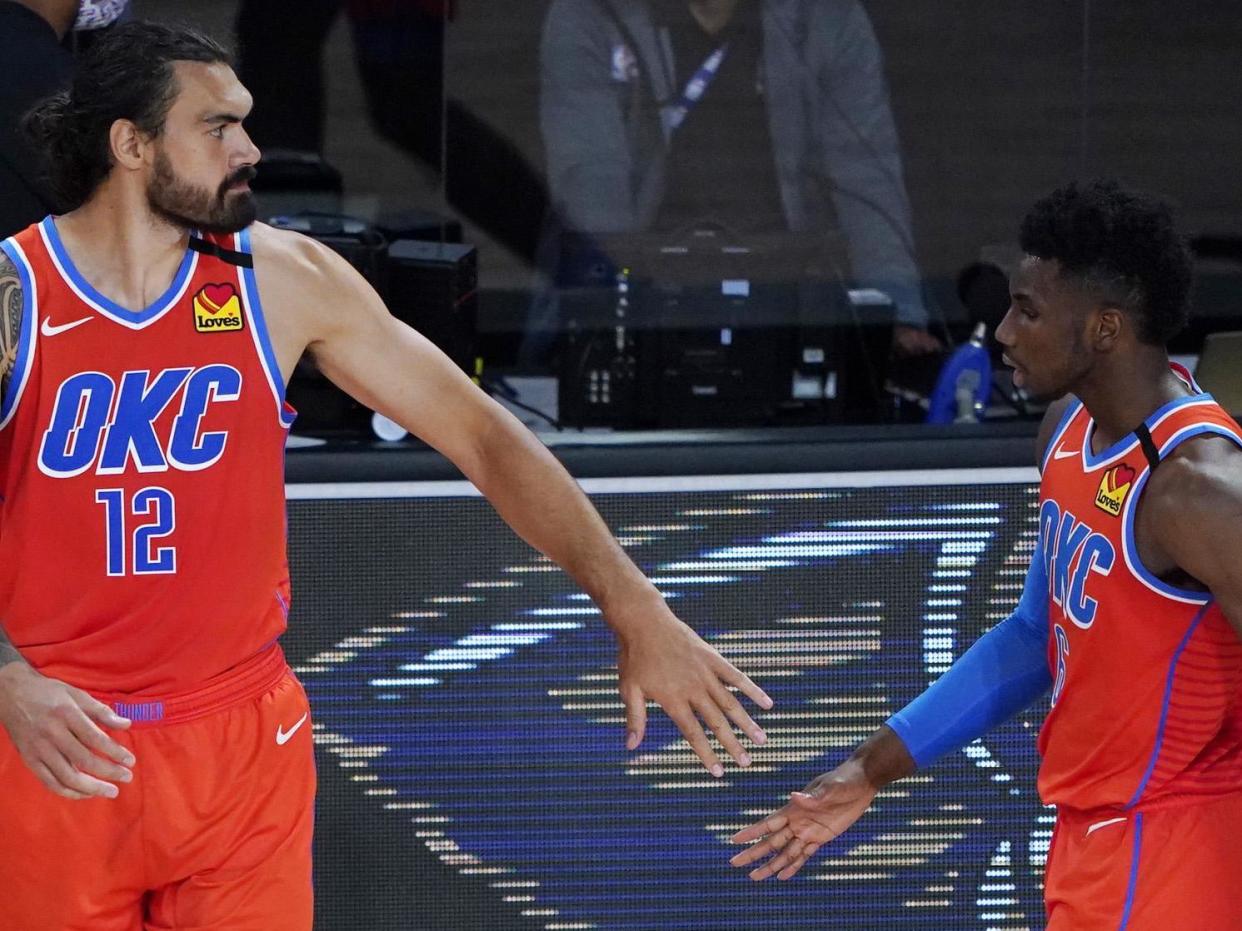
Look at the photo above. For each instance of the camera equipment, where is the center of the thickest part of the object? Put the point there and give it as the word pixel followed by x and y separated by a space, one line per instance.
pixel 711 331
pixel 432 286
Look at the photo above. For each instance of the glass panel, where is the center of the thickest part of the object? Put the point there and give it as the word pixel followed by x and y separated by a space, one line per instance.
pixel 733 209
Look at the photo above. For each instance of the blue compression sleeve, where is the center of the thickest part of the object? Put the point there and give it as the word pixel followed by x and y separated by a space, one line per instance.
pixel 1003 672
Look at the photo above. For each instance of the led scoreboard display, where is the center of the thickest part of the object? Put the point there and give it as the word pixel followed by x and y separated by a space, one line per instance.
pixel 470 736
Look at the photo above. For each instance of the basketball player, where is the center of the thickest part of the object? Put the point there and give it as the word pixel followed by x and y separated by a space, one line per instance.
pixel 157 767
pixel 1132 607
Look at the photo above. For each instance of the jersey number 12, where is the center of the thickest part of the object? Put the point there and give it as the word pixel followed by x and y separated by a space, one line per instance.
pixel 134 528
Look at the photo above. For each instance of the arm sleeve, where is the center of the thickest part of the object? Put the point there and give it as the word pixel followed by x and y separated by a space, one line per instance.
pixel 1003 672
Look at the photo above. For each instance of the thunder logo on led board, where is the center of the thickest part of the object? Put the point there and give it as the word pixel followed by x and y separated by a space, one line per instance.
pixel 483 713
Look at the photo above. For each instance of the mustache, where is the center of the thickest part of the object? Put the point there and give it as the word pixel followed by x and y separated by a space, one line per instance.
pixel 245 173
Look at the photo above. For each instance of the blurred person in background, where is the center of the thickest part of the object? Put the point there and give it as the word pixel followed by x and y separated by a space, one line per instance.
pixel 399 48
pixel 37 62
pixel 755 116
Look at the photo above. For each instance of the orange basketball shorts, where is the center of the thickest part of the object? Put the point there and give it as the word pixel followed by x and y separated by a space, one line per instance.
pixel 1174 865
pixel 214 831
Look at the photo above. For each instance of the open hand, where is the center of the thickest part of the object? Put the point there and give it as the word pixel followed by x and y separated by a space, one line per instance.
pixel 821 812
pixel 663 660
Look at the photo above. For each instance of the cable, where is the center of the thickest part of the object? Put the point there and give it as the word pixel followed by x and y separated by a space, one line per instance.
pixel 493 390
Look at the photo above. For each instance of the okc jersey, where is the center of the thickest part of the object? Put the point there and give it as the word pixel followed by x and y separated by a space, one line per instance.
pixel 1147 676
pixel 142 525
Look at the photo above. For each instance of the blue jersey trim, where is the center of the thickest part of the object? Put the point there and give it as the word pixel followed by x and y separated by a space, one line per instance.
pixel 1164 708
pixel 1129 543
pixel 25 339
pixel 1126 442
pixel 1073 408
pixel 268 354
pixel 101 303
pixel 1132 885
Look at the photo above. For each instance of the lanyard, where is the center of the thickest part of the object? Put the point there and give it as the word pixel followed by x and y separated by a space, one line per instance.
pixel 696 87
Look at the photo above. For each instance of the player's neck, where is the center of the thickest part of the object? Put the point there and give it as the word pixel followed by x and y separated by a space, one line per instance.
pixel 123 250
pixel 1123 394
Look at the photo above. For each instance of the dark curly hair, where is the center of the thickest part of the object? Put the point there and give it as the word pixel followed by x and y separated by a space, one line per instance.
pixel 126 75
pixel 1119 244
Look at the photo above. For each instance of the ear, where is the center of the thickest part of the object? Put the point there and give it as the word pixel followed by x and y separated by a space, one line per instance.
pixel 1107 327
pixel 129 144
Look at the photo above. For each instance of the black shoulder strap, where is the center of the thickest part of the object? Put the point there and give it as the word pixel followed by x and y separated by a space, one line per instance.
pixel 1149 446
pixel 242 259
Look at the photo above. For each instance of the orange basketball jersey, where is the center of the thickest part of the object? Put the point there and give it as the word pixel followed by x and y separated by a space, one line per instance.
pixel 1147 676
pixel 142 528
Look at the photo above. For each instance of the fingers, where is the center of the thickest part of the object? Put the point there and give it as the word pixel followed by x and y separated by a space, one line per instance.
pixel 765 847
pixel 689 726
pixel 734 676
pixel 69 779
pixel 789 853
pixel 77 759
pixel 800 861
pixel 79 745
pixel 767 826
pixel 635 716
pixel 98 711
pixel 90 735
pixel 45 776
pixel 737 714
pixel 716 721
pixel 789 872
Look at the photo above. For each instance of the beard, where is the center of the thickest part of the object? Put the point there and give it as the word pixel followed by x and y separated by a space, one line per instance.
pixel 191 207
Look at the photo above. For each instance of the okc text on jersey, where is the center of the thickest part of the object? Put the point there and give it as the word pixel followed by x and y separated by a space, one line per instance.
pixel 1073 553
pixel 96 422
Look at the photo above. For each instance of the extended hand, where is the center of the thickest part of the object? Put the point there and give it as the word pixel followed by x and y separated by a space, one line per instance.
pixel 56 729
pixel 822 811
pixel 665 661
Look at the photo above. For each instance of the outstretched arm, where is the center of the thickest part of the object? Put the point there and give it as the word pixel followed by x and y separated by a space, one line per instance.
pixel 393 370
pixel 1003 672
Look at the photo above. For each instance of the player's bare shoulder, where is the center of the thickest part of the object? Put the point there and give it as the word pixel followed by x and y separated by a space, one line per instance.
pixel 11 300
pixel 288 263
pixel 305 286
pixel 1199 484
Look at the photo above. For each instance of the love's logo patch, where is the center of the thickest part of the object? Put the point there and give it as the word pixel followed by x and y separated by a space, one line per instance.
pixel 217 309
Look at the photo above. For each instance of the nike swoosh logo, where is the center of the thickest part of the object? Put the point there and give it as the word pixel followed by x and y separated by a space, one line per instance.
pixel 1065 453
pixel 1103 824
pixel 49 330
pixel 282 735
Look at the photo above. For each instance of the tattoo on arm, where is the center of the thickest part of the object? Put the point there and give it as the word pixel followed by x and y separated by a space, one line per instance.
pixel 8 652
pixel 10 318
pixel 10 329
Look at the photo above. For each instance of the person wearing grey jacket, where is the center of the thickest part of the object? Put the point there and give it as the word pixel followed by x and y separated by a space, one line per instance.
pixel 626 144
